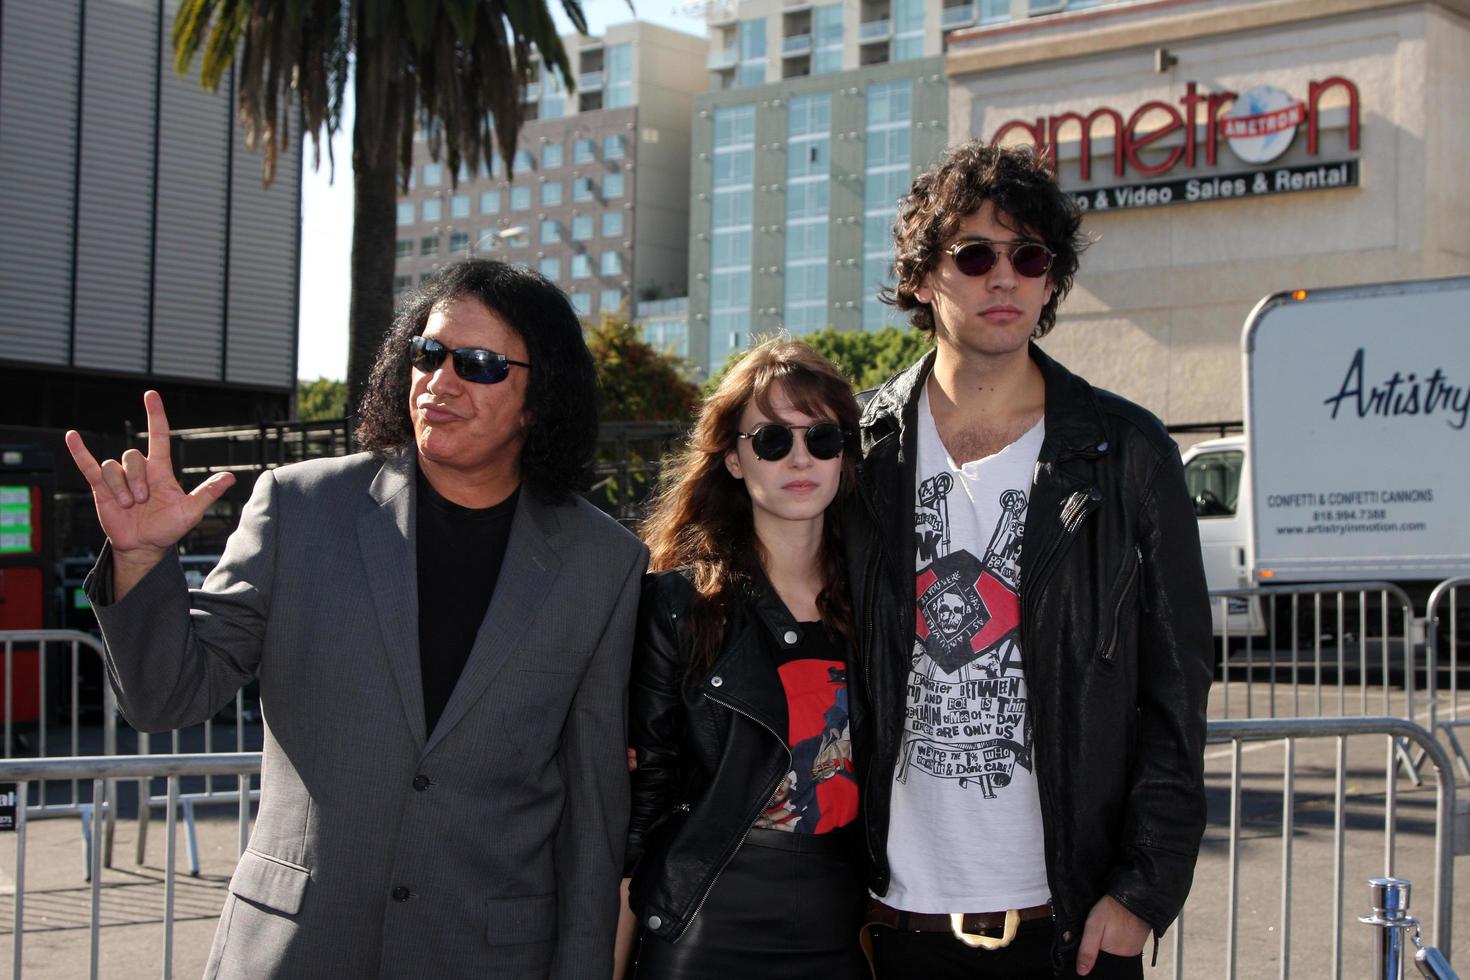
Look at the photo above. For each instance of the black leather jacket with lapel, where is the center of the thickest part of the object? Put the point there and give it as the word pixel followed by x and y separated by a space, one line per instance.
pixel 1115 642
pixel 711 747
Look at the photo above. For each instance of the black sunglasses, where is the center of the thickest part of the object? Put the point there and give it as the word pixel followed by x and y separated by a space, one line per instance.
pixel 977 256
pixel 483 367
pixel 773 440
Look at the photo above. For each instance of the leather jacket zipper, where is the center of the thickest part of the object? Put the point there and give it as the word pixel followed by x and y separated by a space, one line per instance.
pixel 1078 506
pixel 765 798
pixel 1106 653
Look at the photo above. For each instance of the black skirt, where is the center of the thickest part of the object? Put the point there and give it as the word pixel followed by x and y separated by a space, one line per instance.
pixel 788 906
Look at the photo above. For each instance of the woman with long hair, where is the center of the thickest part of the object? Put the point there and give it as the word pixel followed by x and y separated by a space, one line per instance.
pixel 741 855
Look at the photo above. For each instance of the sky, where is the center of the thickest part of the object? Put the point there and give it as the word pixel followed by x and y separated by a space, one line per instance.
pixel 326 205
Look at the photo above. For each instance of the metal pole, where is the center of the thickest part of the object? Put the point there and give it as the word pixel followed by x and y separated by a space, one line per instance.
pixel 1391 916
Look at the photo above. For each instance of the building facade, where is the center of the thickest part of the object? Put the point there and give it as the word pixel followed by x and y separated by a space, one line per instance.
pixel 597 196
pixel 140 248
pixel 1224 151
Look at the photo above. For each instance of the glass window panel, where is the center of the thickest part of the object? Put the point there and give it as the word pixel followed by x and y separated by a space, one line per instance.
pixel 612 263
pixel 520 198
pixel 433 209
pixel 550 232
pixel 551 193
pixel 612 185
pixel 405 212
pixel 489 202
pixel 459 206
pixel 584 151
pixel 459 242
pixel 524 160
pixel 403 248
pixel 582 189
pixel 433 174
pixel 612 223
pixel 619 90
pixel 613 147
pixel 582 227
pixel 429 245
pixel 581 266
pixel 551 155
pixel 610 301
pixel 550 267
pixel 582 303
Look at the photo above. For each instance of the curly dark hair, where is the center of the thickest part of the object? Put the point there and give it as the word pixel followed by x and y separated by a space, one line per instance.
pixel 1016 181
pixel 561 396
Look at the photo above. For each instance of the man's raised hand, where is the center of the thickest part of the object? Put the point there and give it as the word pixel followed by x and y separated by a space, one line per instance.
pixel 142 508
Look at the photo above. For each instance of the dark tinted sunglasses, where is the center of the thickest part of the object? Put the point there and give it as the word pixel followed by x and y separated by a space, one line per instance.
pixel 976 257
pixel 772 441
pixel 483 367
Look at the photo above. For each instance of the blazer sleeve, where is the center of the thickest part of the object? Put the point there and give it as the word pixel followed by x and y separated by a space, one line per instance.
pixel 1166 811
pixel 175 657
pixel 593 761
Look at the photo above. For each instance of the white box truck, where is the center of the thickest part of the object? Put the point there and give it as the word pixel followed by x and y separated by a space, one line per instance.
pixel 1355 462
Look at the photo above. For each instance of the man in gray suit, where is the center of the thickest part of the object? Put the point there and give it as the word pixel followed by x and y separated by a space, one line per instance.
pixel 441 631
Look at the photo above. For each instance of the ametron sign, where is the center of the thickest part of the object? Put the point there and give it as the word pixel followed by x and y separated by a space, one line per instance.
pixel 1163 139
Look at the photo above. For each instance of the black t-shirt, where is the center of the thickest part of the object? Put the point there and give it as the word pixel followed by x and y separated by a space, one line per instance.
pixel 459 552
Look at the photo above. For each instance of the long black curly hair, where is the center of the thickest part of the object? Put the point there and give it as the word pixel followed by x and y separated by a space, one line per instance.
pixel 1015 180
pixel 561 397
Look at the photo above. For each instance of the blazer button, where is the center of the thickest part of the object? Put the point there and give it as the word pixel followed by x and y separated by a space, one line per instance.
pixel 715 681
pixel 790 637
pixel 421 782
pixel 654 922
pixel 401 894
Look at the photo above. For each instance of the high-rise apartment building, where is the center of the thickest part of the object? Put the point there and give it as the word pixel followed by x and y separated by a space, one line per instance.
pixel 597 199
pixel 139 248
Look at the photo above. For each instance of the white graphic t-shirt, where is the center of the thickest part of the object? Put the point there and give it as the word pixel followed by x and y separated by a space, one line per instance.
pixel 965 831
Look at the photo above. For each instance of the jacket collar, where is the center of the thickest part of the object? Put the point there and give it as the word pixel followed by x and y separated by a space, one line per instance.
pixel 1074 422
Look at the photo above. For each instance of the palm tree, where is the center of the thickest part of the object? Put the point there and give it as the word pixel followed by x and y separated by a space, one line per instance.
pixel 456 67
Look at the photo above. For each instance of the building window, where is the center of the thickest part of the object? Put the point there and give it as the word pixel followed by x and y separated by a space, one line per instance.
pixel 551 193
pixel 613 147
pixel 584 151
pixel 885 180
pixel 582 228
pixel 612 224
pixel 550 267
pixel 553 96
pixel 551 156
pixel 497 164
pixel 489 202
pixel 808 191
pixel 610 301
pixel 752 45
pixel 402 284
pixel 582 189
pixel 619 90
pixel 459 242
pixel 429 245
pixel 827 38
pixel 582 303
pixel 550 232
pixel 908 29
pixel 612 185
pixel 403 248
pixel 433 174
pixel 459 206
pixel 520 198
pixel 732 190
pixel 405 212
pixel 486 241
pixel 581 266
pixel 521 240
pixel 433 209
pixel 524 161
pixel 612 263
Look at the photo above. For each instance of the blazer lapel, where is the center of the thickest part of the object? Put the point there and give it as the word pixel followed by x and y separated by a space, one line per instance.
pixel 386 536
pixel 526 575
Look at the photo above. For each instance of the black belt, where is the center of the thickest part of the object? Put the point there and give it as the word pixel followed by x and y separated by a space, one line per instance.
pixel 968 927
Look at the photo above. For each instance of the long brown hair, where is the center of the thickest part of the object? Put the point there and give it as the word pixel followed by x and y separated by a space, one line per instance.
pixel 701 520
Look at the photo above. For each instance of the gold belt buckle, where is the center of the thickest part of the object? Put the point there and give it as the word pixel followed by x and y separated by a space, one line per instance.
pixel 977 941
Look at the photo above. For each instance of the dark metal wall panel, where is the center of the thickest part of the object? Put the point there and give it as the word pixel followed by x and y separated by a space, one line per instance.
pixel 38 94
pixel 115 185
pixel 193 185
pixel 264 254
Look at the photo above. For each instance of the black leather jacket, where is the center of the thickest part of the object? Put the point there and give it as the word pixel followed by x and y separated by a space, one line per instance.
pixel 1115 642
pixel 711 749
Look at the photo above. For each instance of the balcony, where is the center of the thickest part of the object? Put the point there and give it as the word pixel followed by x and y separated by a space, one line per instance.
pixel 590 81
pixel 723 60
pixel 718 14
pixel 953 18
pixel 875 30
pixel 795 45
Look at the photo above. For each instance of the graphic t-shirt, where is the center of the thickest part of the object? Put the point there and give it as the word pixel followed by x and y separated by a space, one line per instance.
pixel 965 831
pixel 820 793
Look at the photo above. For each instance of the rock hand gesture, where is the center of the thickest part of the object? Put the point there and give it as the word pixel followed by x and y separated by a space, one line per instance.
pixel 141 506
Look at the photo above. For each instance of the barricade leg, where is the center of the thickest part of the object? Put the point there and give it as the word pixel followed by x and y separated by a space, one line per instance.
pixel 191 837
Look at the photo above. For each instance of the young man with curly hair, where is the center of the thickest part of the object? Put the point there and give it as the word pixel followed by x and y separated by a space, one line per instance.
pixel 1035 794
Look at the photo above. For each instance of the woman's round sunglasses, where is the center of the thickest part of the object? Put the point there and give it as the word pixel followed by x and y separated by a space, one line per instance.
pixel 773 440
pixel 475 364
pixel 977 256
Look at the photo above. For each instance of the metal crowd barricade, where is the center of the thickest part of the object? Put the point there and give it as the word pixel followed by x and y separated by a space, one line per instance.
pixel 1442 624
pixel 1309 638
pixel 104 772
pixel 1290 731
pixel 74 646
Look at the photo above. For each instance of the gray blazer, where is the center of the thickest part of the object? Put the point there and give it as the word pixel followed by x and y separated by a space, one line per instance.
pixel 491 847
